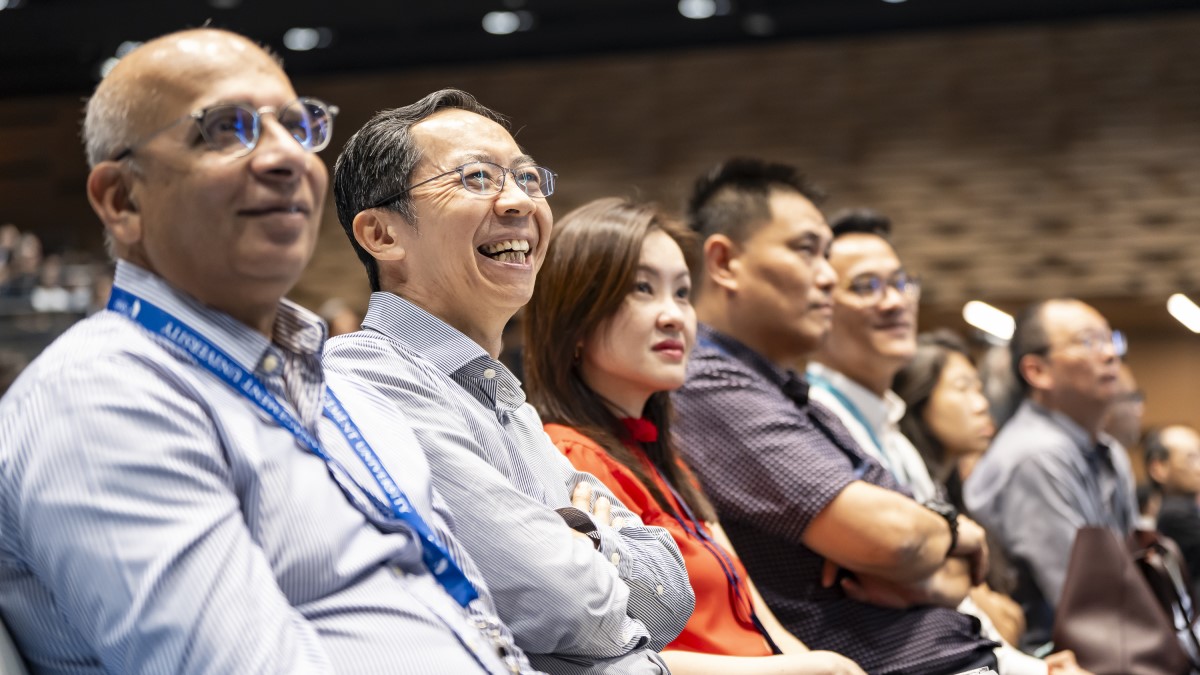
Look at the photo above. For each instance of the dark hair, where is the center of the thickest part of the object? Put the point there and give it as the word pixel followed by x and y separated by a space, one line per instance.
pixel 1029 337
pixel 379 160
pixel 916 384
pixel 733 197
pixel 1156 451
pixel 588 272
pixel 861 221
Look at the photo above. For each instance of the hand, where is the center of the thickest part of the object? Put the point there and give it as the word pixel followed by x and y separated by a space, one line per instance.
pixel 820 663
pixel 1064 663
pixel 972 545
pixel 601 511
pixel 1005 614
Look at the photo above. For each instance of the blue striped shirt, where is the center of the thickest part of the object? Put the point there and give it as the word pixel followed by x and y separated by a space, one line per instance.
pixel 154 521
pixel 572 608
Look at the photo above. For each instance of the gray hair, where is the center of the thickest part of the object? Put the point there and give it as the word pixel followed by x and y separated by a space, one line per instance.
pixel 379 160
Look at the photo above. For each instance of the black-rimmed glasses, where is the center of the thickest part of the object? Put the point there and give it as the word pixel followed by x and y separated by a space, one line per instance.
pixel 487 178
pixel 234 128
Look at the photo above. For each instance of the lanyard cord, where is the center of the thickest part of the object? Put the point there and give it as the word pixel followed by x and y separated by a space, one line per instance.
pixel 161 323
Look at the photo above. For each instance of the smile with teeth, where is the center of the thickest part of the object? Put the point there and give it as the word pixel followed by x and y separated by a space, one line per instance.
pixel 511 251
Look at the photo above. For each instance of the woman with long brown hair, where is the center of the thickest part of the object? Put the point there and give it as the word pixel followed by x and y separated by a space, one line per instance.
pixel 607 336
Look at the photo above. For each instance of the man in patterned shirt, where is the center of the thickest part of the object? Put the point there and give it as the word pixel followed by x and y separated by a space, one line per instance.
pixel 450 218
pixel 847 561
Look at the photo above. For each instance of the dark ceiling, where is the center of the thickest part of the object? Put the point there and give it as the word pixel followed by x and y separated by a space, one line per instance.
pixel 57 46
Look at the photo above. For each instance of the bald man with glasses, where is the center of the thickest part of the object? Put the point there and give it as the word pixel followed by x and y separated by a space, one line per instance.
pixel 451 219
pixel 182 489
pixel 1052 469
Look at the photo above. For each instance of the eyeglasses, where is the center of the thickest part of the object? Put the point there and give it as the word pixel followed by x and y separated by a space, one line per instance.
pixel 234 128
pixel 872 289
pixel 486 178
pixel 1096 343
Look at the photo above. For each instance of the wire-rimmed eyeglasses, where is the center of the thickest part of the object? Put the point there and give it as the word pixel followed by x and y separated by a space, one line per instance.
pixel 234 128
pixel 871 288
pixel 487 178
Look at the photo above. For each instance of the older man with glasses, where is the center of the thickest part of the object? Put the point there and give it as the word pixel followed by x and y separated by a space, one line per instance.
pixel 450 218
pixel 1052 469
pixel 184 491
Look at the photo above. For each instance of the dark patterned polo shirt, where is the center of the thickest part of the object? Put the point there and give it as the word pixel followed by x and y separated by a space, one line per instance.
pixel 771 461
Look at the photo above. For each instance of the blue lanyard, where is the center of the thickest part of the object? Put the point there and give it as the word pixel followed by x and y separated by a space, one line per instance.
pixel 435 556
pixel 694 527
pixel 818 381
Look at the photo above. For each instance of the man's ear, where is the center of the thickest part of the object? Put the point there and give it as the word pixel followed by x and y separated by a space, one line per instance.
pixel 376 233
pixel 721 263
pixel 110 191
pixel 1036 372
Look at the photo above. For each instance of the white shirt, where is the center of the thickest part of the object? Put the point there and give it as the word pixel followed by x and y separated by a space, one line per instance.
pixel 874 422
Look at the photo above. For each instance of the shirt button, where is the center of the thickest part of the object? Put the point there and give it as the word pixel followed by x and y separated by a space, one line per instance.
pixel 270 363
pixel 659 590
pixel 489 373
pixel 616 558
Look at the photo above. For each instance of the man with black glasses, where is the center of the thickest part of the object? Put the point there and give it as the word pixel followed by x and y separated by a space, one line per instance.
pixel 873 336
pixel 1052 469
pixel 450 218
pixel 183 489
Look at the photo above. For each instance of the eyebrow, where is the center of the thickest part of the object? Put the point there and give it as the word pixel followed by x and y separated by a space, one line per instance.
pixel 521 160
pixel 656 272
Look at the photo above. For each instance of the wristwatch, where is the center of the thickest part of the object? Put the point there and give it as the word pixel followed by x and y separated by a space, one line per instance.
pixel 947 511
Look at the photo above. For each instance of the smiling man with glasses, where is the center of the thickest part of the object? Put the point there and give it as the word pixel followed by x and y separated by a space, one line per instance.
pixel 451 220
pixel 1052 468
pixel 184 490
pixel 873 336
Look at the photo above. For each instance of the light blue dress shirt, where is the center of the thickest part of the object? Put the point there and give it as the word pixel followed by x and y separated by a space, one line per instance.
pixel 153 521
pixel 572 608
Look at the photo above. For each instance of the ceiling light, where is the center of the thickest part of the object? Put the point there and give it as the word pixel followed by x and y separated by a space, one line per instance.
pixel 304 39
pixel 698 9
pixel 125 47
pixel 1185 311
pixel 994 322
pixel 10 4
pixel 893 2
pixel 501 23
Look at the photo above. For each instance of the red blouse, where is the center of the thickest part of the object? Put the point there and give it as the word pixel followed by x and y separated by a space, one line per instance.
pixel 721 623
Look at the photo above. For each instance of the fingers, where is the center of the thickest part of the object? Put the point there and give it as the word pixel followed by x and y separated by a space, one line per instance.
pixel 603 512
pixel 618 523
pixel 581 497
pixel 828 573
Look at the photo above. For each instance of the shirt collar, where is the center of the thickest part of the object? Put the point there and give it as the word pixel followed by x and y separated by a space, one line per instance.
pixel 731 346
pixel 880 412
pixel 296 329
pixel 1078 435
pixel 415 329
pixel 447 348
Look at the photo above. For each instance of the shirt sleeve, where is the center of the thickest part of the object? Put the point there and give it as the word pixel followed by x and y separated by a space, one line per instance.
pixel 647 558
pixel 759 457
pixel 1043 499
pixel 128 514
pixel 552 589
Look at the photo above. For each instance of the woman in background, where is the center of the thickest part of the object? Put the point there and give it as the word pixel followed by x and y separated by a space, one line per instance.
pixel 947 419
pixel 607 336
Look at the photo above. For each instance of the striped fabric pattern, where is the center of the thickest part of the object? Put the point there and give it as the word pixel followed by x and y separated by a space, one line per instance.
pixel 153 521
pixel 573 609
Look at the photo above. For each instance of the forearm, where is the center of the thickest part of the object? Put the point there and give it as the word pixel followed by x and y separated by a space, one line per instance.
pixel 649 562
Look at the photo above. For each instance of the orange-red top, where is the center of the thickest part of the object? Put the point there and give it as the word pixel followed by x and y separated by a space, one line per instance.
pixel 721 623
